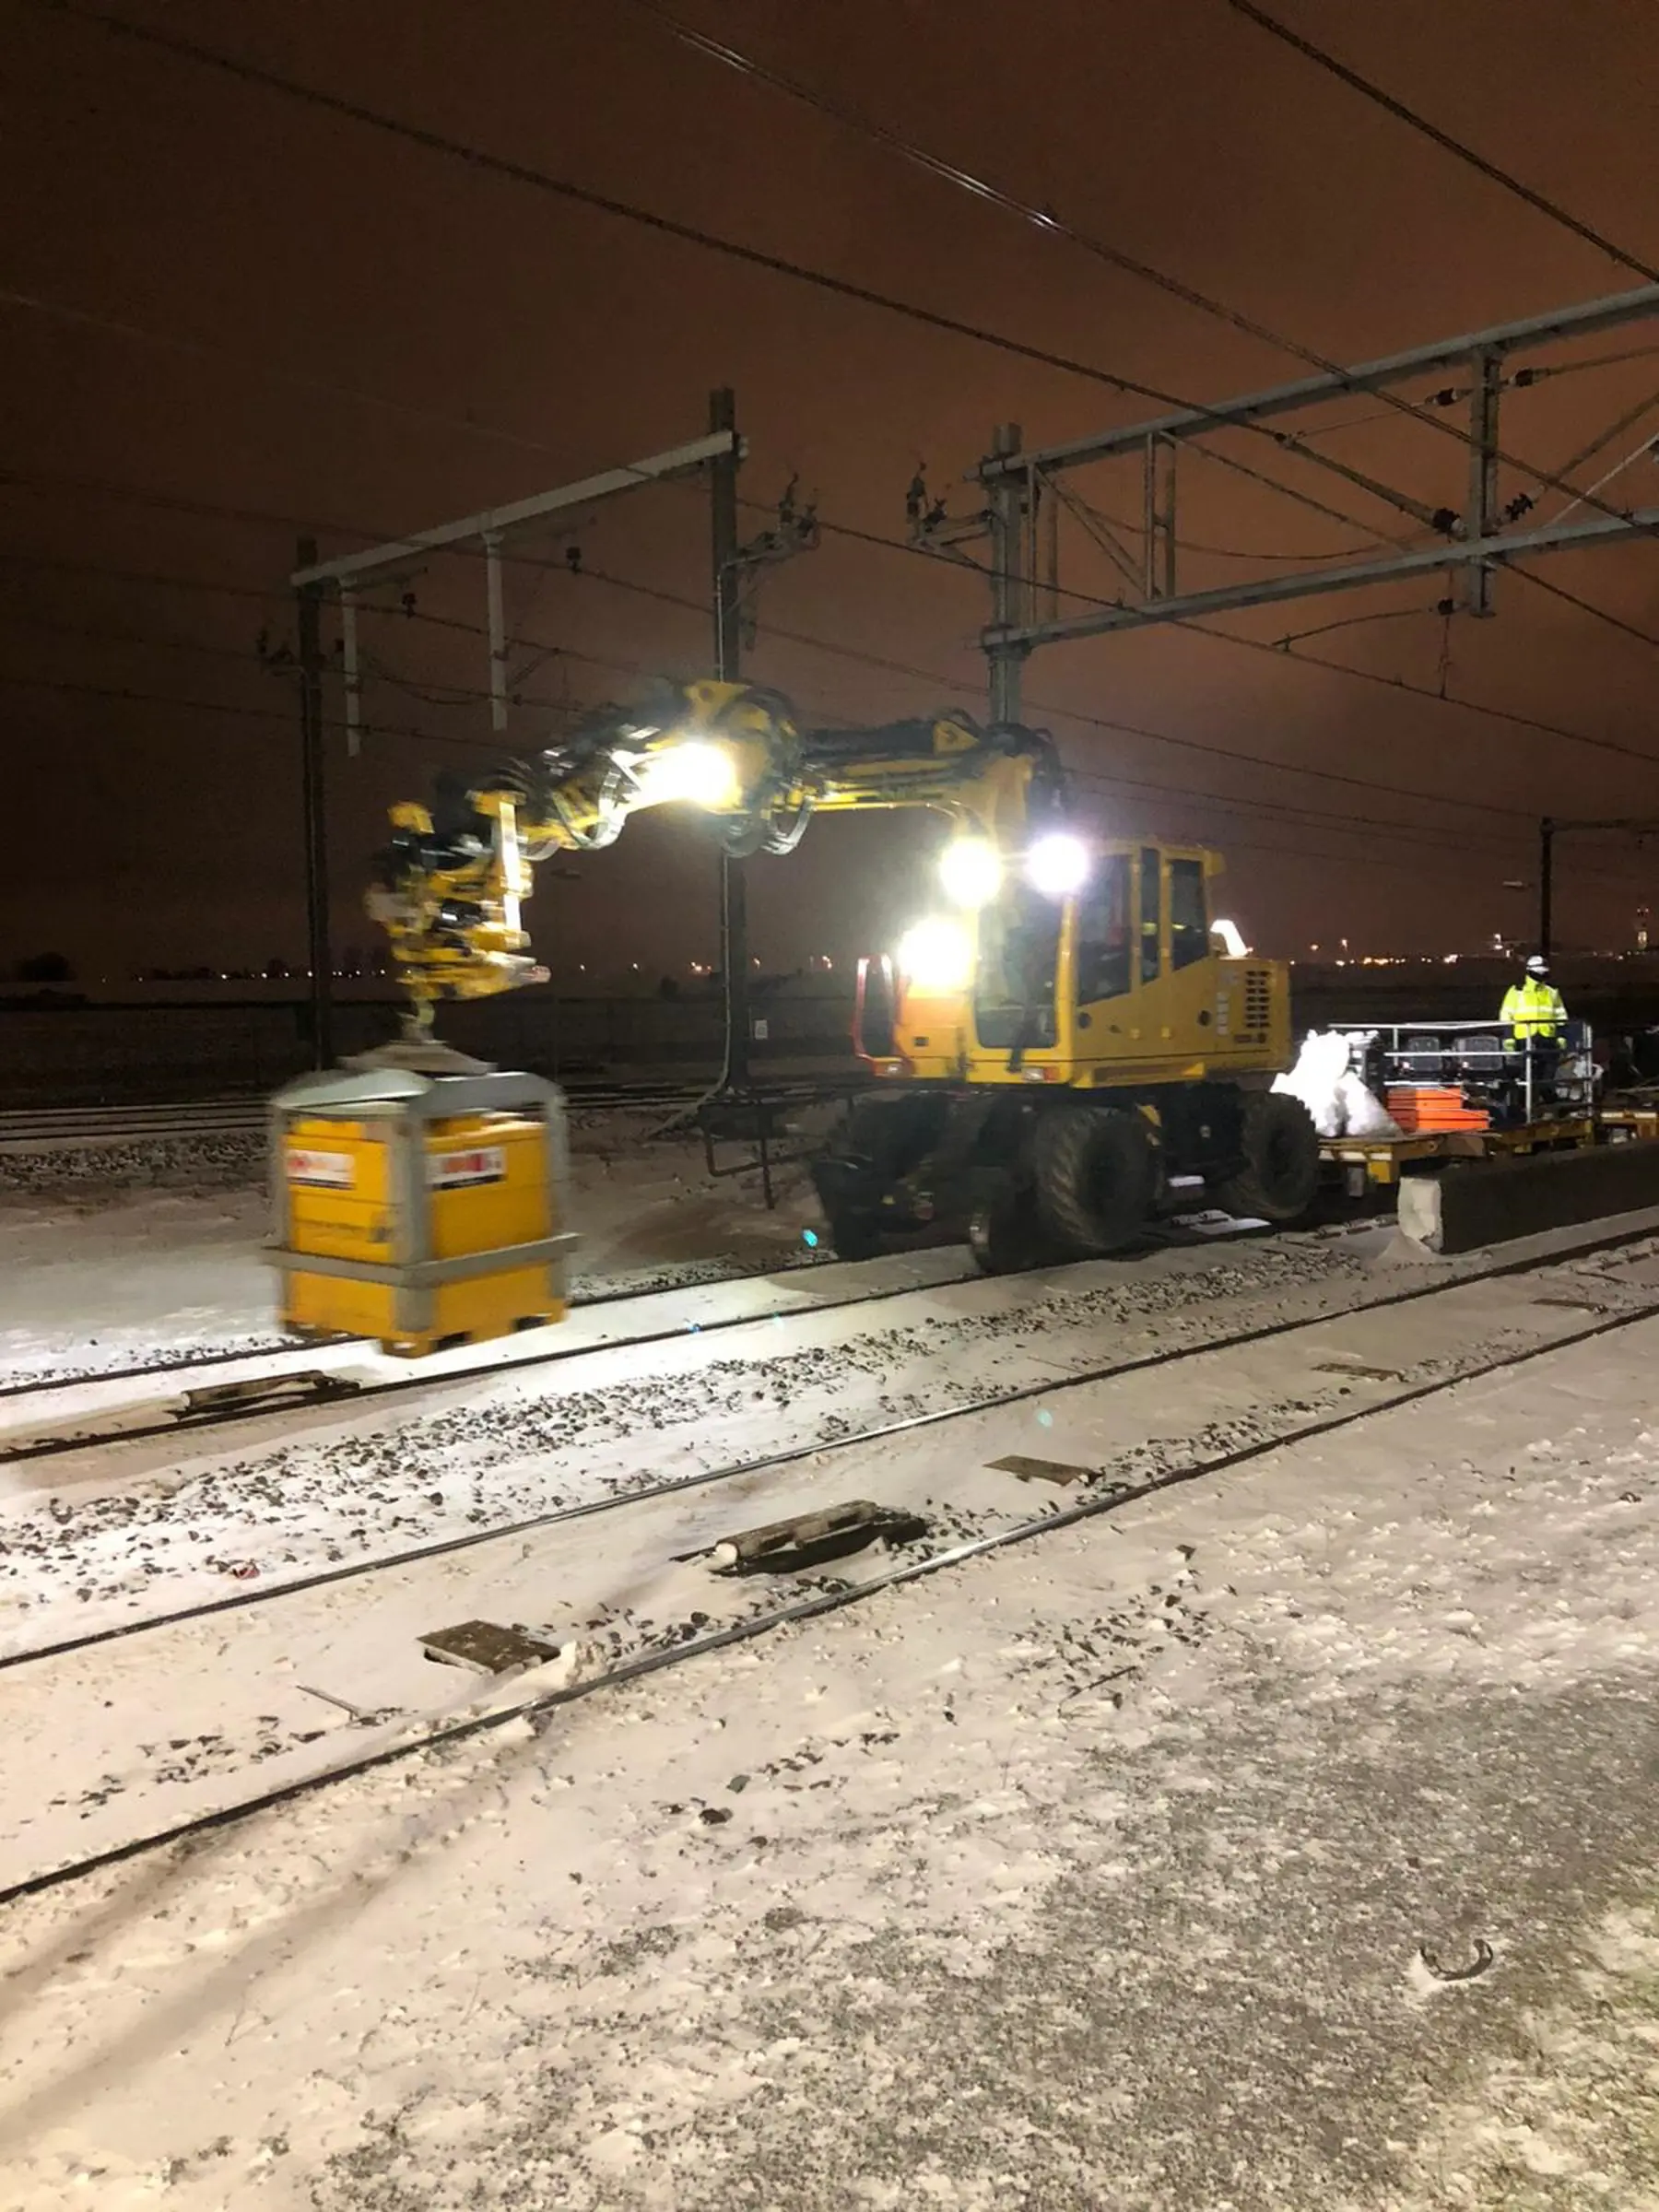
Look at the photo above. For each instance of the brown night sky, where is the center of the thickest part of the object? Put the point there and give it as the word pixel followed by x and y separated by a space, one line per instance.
pixel 290 258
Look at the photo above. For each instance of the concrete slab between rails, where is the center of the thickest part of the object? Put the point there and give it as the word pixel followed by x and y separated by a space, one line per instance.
pixel 1469 1208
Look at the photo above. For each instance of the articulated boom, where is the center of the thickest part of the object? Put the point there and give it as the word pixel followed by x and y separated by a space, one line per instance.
pixel 453 882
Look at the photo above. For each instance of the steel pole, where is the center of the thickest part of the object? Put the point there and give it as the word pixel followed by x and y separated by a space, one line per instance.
pixel 1546 881
pixel 308 615
pixel 734 890
pixel 1480 516
pixel 1008 597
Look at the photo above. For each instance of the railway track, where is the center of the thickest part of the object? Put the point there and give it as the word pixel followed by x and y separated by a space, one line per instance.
pixel 41 1388
pixel 52 1128
pixel 1305 1377
pixel 927 1268
pixel 192 1408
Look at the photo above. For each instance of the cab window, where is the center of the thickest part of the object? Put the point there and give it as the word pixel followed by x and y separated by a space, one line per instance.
pixel 1103 932
pixel 1151 912
pixel 1189 920
pixel 1014 984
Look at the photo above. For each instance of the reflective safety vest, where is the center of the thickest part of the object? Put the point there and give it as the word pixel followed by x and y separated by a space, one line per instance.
pixel 1533 1008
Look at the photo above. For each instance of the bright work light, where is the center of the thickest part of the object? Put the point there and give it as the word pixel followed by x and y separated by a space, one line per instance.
pixel 697 774
pixel 970 871
pixel 935 955
pixel 1057 865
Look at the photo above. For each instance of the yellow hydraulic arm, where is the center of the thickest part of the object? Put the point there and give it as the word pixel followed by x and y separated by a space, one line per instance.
pixel 451 884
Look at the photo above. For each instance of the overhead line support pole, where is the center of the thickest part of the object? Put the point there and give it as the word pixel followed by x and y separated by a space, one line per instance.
pixel 1159 503
pixel 1009 597
pixel 498 630
pixel 1480 519
pixel 313 785
pixel 728 639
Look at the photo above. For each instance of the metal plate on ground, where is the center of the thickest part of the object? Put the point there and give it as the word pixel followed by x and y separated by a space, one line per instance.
pixel 313 1382
pixel 811 1539
pixel 485 1648
pixel 1039 1470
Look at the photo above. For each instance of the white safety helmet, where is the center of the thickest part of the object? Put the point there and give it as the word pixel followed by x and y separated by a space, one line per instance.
pixel 1537 965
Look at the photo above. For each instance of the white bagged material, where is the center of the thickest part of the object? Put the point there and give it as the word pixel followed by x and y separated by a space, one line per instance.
pixel 1320 1066
pixel 1363 1114
pixel 1334 1097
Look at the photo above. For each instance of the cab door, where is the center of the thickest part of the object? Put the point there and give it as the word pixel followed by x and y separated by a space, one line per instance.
pixel 1186 1013
pixel 1105 965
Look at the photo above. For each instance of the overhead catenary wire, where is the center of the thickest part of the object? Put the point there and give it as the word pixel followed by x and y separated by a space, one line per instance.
pixel 263 366
pixel 1050 708
pixel 1320 629
pixel 885 663
pixel 469 696
pixel 892 664
pixel 1048 220
pixel 469 426
pixel 524 174
pixel 126 695
pixel 1474 706
pixel 484 161
pixel 1443 139
pixel 1199 800
pixel 1441 699
pixel 1588 606
pixel 1636 452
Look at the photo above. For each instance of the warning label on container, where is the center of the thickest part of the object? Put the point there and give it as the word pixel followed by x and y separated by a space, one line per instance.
pixel 324 1171
pixel 451 1170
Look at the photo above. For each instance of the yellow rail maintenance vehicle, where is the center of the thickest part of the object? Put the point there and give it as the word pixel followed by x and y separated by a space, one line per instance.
pixel 1061 1035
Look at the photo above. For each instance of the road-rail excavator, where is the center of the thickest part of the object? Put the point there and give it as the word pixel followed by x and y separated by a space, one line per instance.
pixel 1060 1037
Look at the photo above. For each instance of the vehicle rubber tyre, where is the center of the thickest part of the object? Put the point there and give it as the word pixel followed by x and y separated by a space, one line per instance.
pixel 1278 1180
pixel 855 1236
pixel 1002 1233
pixel 1096 1177
pixel 892 1134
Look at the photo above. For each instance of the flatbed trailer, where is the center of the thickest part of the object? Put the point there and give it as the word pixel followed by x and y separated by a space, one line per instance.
pixel 1368 1163
pixel 1624 1124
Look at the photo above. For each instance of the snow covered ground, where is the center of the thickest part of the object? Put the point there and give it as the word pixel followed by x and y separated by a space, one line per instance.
pixel 153 1251
pixel 1282 1840
pixel 1095 1875
pixel 1126 1869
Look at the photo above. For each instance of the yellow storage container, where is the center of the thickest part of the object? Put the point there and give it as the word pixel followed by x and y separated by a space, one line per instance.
pixel 421 1210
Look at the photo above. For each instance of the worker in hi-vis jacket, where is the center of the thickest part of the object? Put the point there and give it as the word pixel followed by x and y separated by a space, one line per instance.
pixel 1535 1014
